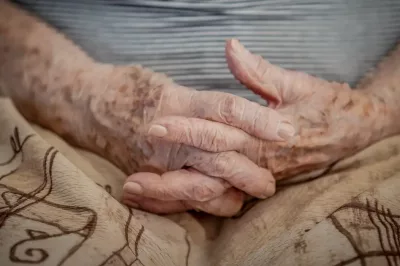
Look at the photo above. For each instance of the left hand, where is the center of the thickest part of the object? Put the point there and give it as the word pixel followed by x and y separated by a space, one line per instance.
pixel 332 121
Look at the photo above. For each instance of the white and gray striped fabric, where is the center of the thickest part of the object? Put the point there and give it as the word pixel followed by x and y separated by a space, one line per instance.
pixel 334 39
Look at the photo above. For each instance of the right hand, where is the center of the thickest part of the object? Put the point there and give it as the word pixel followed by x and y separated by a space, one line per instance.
pixel 131 108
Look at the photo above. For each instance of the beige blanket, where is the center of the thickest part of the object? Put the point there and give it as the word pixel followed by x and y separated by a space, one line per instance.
pixel 59 206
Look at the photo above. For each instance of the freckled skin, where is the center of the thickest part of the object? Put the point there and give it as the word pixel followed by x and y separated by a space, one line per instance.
pixel 332 120
pixel 96 106
pixel 55 89
pixel 125 107
pixel 335 127
pixel 106 108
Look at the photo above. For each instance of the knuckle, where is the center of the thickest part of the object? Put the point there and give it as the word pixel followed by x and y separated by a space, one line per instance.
pixel 258 118
pixel 224 163
pixel 261 68
pixel 181 130
pixel 203 193
pixel 192 97
pixel 177 129
pixel 161 193
pixel 187 134
pixel 228 109
pixel 197 103
pixel 181 137
pixel 214 140
pixel 264 117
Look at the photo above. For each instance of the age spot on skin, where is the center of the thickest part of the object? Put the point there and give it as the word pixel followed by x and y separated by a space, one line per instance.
pixel 334 99
pixel 34 51
pixel 366 109
pixel 348 105
pixel 123 88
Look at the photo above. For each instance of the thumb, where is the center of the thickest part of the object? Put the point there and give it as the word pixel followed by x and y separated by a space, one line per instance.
pixel 275 84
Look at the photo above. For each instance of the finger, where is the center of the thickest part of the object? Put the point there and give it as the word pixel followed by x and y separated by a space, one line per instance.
pixel 273 83
pixel 176 185
pixel 236 169
pixel 251 117
pixel 202 134
pixel 154 205
pixel 225 205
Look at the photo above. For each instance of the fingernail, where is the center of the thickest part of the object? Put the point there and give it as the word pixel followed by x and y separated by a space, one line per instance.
pixel 285 130
pixel 134 188
pixel 157 131
pixel 236 45
pixel 269 190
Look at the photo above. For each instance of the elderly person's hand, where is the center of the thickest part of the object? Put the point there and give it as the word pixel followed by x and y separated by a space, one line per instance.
pixel 122 113
pixel 135 119
pixel 332 121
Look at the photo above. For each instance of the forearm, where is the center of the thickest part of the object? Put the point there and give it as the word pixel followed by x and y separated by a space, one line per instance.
pixel 44 73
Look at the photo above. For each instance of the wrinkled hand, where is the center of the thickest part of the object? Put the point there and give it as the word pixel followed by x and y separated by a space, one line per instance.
pixel 331 120
pixel 183 143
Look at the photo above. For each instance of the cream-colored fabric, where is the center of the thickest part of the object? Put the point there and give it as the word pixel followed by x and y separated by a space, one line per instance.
pixel 56 209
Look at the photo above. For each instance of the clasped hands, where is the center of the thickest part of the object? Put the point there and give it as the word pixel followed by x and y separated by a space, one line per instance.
pixel 207 151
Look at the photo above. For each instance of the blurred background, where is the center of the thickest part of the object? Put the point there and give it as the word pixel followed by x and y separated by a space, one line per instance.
pixel 334 39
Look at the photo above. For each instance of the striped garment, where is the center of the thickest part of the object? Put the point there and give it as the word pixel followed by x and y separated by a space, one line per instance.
pixel 334 39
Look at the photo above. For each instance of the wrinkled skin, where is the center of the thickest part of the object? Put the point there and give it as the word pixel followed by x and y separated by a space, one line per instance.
pixel 331 120
pixel 192 149
pixel 116 112
pixel 127 116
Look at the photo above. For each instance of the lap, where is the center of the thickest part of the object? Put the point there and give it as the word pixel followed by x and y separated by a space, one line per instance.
pixel 59 205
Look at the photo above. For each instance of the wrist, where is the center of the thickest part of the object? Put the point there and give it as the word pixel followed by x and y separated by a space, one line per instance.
pixel 116 106
pixel 385 119
pixel 125 98
pixel 378 119
pixel 64 108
